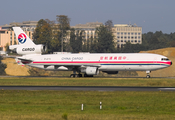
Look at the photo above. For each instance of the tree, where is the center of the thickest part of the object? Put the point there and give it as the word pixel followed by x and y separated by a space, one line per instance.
pixel 91 44
pixel 79 40
pixel 7 48
pixel 132 48
pixel 72 40
pixel 88 44
pixel 64 25
pixel 56 39
pixel 76 40
pixel 43 33
pixel 94 46
pixel 2 67
pixel 105 40
pixel 55 43
pixel 109 25
pixel 172 44
pixel 37 31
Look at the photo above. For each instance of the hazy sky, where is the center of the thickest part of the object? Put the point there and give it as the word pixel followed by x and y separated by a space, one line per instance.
pixel 151 15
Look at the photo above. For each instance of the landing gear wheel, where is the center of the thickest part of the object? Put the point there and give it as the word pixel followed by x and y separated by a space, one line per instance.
pixel 85 75
pixel 148 76
pixel 148 72
pixel 76 75
pixel 79 75
pixel 72 75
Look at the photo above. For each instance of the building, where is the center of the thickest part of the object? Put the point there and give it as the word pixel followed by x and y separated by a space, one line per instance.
pixel 7 34
pixel 127 33
pixel 122 32
pixel 26 25
pixel 88 29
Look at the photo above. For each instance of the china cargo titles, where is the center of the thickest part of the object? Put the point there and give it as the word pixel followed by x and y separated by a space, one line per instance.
pixel 73 58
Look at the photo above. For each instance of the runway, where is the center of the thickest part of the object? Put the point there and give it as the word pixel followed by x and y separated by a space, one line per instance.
pixel 88 88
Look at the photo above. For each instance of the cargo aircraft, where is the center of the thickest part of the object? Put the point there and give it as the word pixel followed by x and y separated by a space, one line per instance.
pixel 88 63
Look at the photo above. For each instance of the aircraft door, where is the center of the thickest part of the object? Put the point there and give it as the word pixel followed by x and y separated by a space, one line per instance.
pixel 155 60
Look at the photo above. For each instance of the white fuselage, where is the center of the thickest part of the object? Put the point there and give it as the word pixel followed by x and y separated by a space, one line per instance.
pixel 89 64
pixel 103 61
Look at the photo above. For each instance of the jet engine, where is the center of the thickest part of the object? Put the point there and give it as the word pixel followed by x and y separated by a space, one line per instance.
pixel 90 70
pixel 36 49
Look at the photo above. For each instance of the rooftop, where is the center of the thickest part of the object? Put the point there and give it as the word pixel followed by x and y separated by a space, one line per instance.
pixel 24 23
pixel 125 25
pixel 88 25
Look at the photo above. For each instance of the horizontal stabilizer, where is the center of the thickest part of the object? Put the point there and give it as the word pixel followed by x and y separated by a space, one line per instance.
pixel 25 61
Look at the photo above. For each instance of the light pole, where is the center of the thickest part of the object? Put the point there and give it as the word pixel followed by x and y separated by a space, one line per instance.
pixel 62 39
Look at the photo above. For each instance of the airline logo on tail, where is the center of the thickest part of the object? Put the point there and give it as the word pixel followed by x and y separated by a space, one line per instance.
pixel 22 38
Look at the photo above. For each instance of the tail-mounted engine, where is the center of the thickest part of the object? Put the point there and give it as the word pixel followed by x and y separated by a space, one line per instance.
pixel 24 50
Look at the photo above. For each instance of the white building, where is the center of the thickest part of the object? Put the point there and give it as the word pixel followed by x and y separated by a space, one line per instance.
pixel 127 33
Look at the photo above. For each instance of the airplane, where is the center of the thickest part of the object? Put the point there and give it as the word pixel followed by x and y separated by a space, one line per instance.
pixel 88 63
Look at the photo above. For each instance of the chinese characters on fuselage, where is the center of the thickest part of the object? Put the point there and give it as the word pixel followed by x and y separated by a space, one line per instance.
pixel 113 58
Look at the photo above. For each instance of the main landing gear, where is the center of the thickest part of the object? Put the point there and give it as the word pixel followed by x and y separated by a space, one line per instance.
pixel 80 75
pixel 75 75
pixel 148 74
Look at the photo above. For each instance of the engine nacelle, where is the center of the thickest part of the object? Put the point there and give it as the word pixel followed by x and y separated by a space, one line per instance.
pixel 111 72
pixel 90 70
pixel 36 49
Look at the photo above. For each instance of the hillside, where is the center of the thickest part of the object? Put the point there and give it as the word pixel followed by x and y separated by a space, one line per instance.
pixel 14 69
pixel 167 72
pixel 17 70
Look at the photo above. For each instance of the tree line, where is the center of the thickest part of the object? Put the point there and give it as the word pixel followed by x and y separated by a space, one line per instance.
pixel 151 41
pixel 59 36
pixel 56 34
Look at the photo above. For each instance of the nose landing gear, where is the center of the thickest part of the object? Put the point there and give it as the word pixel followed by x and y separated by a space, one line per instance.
pixel 148 74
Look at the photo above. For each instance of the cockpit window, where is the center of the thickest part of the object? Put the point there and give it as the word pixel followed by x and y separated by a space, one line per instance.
pixel 164 59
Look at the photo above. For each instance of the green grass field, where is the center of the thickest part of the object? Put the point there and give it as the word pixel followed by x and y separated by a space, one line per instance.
pixel 66 105
pixel 57 105
pixel 48 81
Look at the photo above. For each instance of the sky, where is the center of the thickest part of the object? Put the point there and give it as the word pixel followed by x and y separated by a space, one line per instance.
pixel 151 15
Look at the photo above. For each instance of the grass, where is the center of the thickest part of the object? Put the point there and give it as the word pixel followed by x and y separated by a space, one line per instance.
pixel 67 105
pixel 48 81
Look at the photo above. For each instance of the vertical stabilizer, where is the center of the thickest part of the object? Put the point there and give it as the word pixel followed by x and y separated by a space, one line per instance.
pixel 23 39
